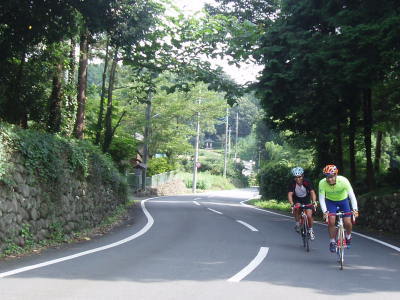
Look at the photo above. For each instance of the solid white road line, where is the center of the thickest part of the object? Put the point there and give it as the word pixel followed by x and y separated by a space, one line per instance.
pixel 247 225
pixel 171 201
pixel 197 203
pixel 353 232
pixel 251 266
pixel 377 241
pixel 217 212
pixel 150 222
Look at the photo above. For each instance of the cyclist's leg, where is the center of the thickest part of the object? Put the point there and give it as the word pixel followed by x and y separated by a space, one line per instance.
pixel 331 206
pixel 345 207
pixel 296 213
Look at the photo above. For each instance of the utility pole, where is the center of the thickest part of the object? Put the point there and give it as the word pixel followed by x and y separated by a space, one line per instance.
pixel 196 151
pixel 236 133
pixel 229 141
pixel 146 139
pixel 226 140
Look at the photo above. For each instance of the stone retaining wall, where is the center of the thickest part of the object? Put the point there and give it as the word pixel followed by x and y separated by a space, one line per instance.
pixel 380 213
pixel 69 203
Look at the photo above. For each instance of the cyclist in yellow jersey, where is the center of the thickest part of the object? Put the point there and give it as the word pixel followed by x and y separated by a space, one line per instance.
pixel 334 194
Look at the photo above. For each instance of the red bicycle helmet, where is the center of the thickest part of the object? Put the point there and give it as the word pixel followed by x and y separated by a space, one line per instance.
pixel 330 170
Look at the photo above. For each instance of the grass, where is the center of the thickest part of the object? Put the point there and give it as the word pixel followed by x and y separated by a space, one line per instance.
pixel 206 181
pixel 271 204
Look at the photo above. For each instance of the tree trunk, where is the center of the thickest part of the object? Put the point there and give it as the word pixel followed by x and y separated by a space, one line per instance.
pixel 108 117
pixel 378 151
pixel 71 90
pixel 339 147
pixel 82 83
pixel 55 101
pixel 352 138
pixel 99 127
pixel 367 111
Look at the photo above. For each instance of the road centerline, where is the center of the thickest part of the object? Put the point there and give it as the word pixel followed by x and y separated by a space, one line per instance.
pixel 216 211
pixel 247 225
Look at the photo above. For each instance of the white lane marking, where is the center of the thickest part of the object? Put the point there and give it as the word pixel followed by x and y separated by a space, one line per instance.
pixel 171 201
pixel 197 203
pixel 251 266
pixel 264 210
pixel 247 225
pixel 150 222
pixel 377 241
pixel 353 232
pixel 197 199
pixel 216 211
pixel 221 203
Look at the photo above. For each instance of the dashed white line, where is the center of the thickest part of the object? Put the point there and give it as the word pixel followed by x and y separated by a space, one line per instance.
pixel 320 223
pixel 262 253
pixel 216 211
pixel 247 225
pixel 197 203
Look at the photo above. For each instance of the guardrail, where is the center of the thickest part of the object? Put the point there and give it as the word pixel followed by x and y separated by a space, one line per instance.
pixel 135 180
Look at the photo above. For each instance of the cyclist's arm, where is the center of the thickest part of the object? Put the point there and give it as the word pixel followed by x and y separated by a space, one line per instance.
pixel 352 196
pixel 313 196
pixel 290 198
pixel 353 199
pixel 321 199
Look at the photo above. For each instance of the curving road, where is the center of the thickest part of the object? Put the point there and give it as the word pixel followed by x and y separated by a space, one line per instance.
pixel 204 246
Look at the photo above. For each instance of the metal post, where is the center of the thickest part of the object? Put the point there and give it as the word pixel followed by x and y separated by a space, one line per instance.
pixel 146 140
pixel 236 133
pixel 196 151
pixel 226 140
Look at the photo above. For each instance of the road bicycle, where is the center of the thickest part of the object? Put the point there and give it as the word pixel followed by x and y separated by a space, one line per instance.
pixel 340 235
pixel 304 228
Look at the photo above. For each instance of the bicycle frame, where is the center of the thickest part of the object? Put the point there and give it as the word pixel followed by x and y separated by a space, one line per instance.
pixel 340 236
pixel 305 235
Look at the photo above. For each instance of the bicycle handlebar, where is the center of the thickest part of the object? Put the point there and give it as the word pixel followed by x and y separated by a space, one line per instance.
pixel 298 205
pixel 340 214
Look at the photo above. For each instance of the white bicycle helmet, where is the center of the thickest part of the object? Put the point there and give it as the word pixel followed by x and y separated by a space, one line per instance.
pixel 297 171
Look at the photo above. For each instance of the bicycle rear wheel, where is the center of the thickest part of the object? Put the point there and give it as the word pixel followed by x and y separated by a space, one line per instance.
pixel 306 234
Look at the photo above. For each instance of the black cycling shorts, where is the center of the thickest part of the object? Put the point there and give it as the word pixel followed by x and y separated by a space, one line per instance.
pixel 305 200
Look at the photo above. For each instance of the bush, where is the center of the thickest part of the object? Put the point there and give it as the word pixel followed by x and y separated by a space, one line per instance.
pixel 158 165
pixel 274 179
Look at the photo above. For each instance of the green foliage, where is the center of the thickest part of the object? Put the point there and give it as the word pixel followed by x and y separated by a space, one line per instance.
pixel 247 147
pixel 57 234
pixel 27 236
pixel 274 179
pixel 47 157
pixel 158 165
pixel 123 148
pixel 206 181
pixel 272 204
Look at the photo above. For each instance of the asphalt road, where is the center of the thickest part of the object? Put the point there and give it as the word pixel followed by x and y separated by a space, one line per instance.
pixel 204 246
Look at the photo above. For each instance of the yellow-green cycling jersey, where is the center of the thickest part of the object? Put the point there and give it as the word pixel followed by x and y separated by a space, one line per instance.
pixel 336 192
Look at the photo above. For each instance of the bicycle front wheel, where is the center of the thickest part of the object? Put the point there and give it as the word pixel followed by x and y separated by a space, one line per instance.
pixel 340 247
